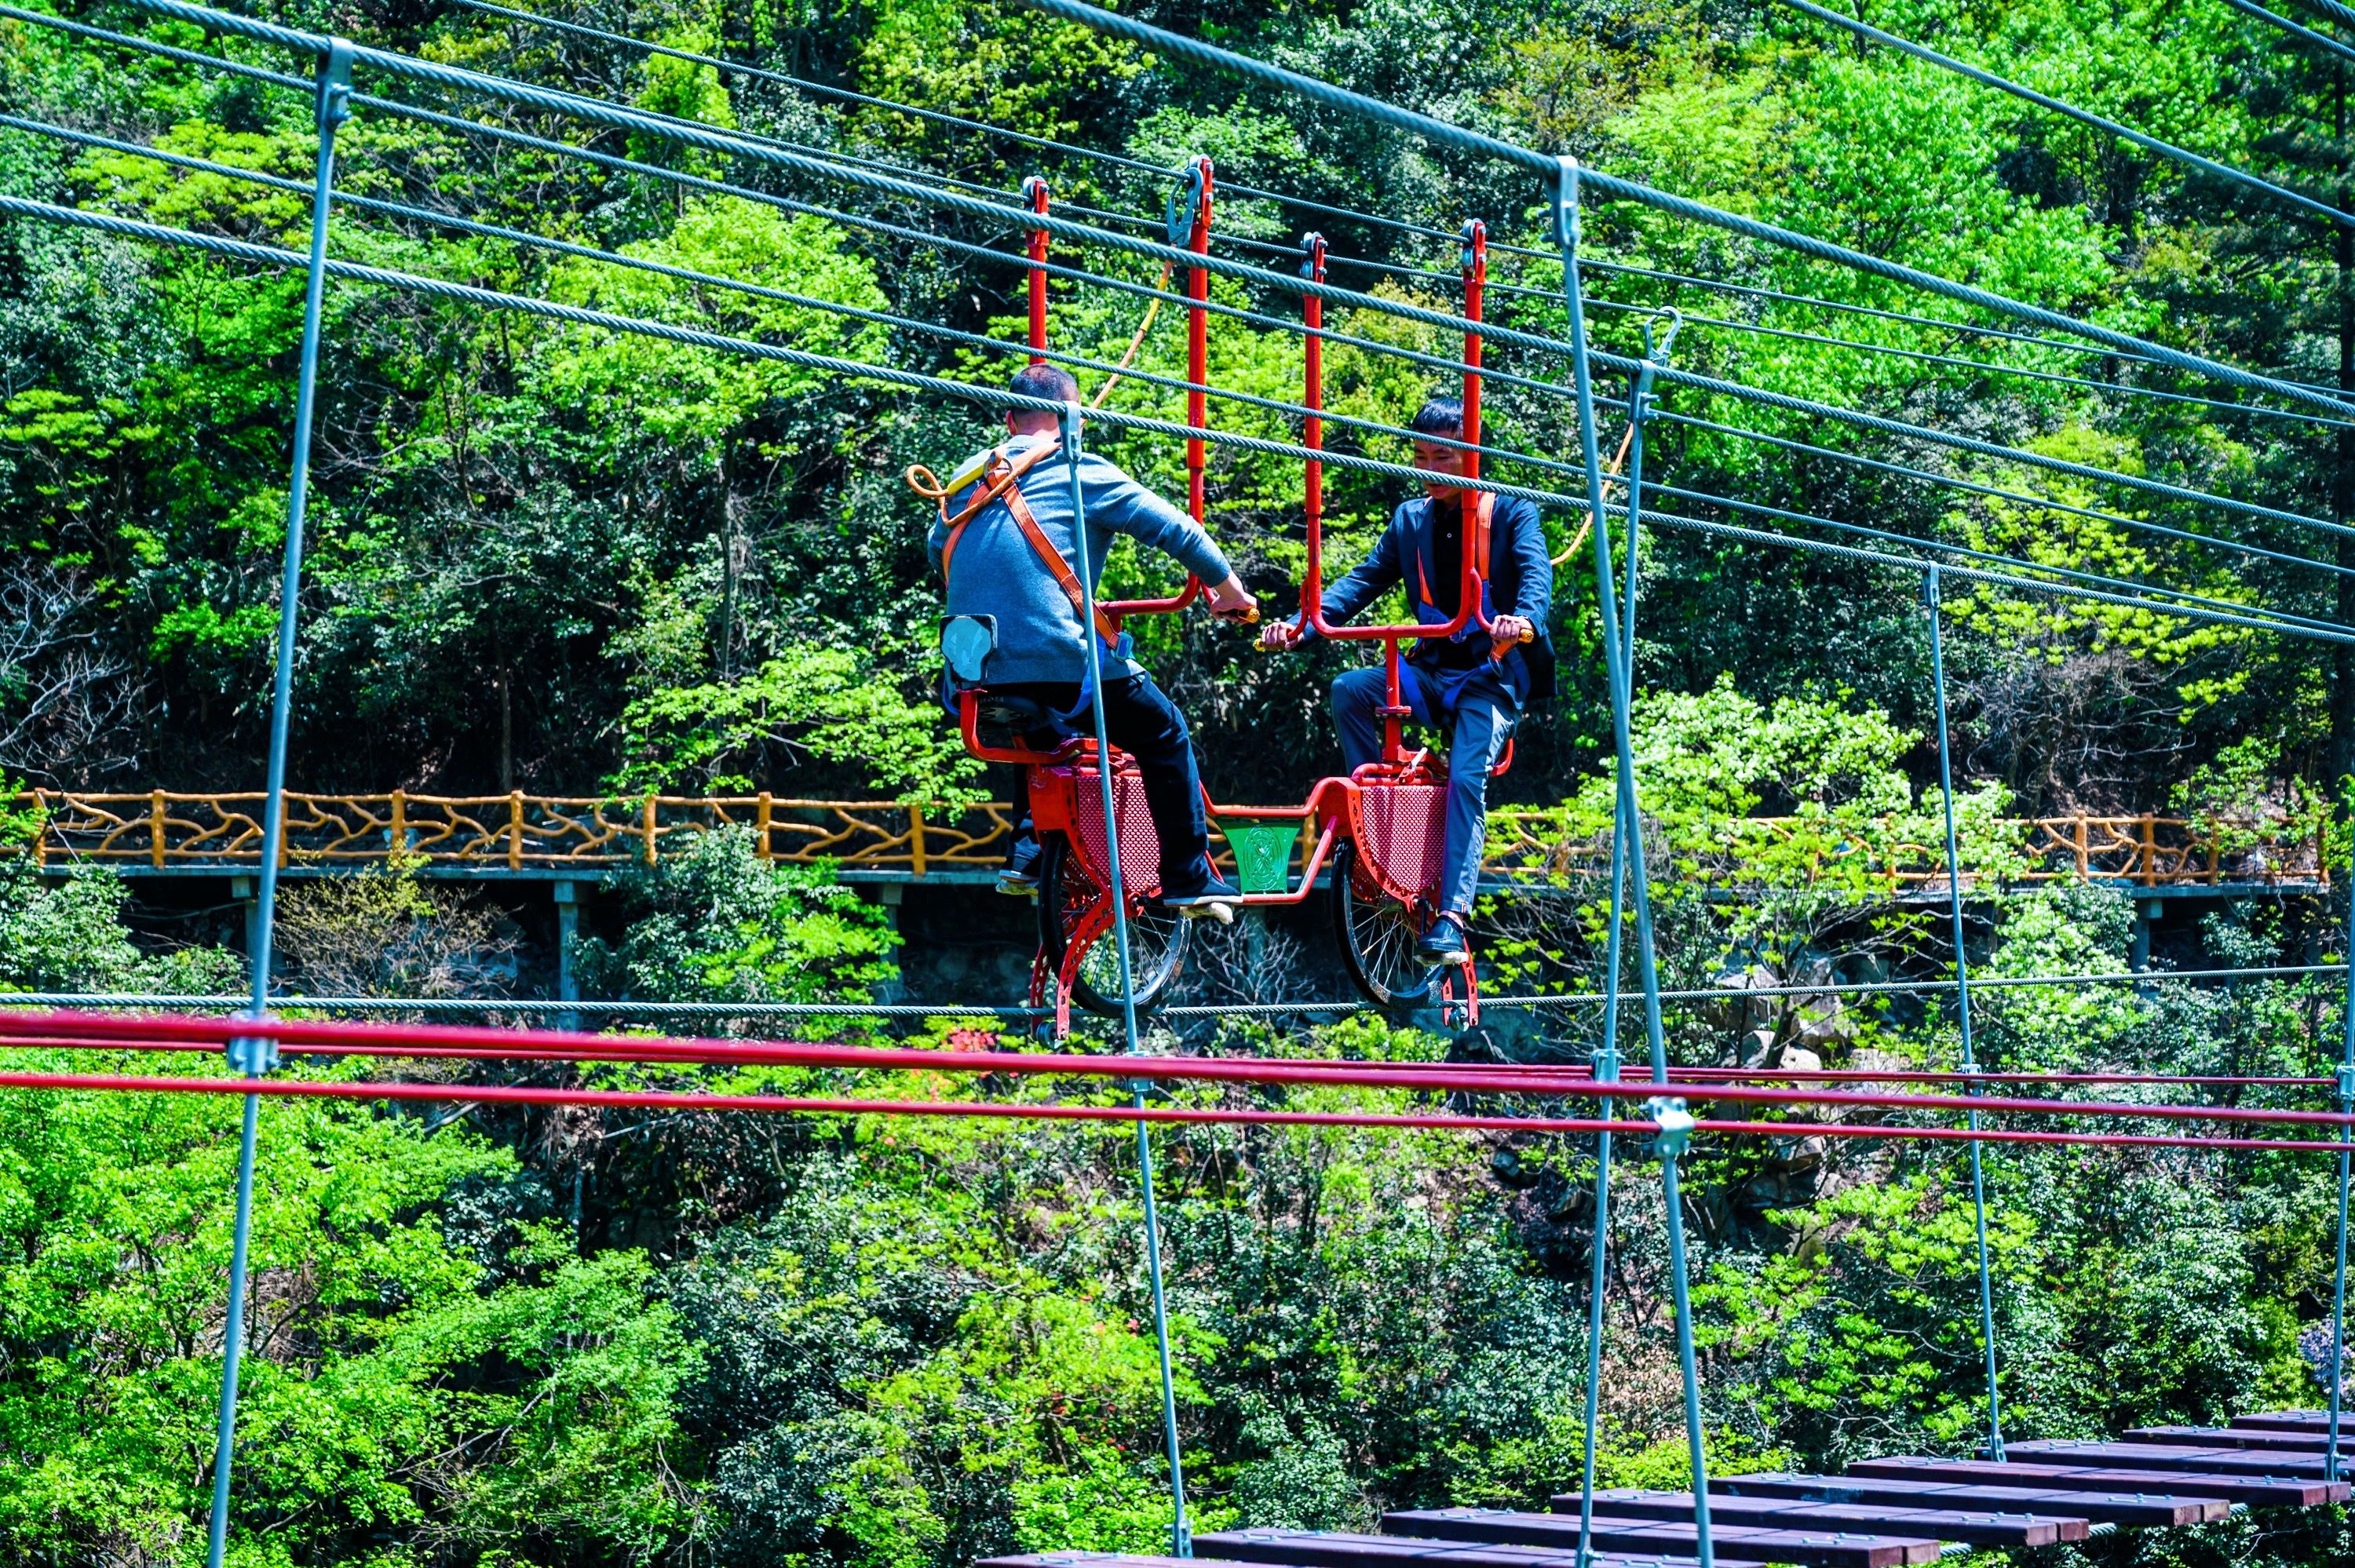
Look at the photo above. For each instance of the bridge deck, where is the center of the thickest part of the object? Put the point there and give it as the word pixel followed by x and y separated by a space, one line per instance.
pixel 1892 1512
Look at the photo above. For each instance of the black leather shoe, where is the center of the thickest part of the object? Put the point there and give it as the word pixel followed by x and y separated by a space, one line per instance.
pixel 1444 944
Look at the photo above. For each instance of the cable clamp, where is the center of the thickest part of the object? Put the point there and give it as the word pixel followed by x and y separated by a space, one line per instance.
pixel 253 1054
pixel 1606 1064
pixel 1475 232
pixel 1565 202
pixel 1930 588
pixel 334 101
pixel 1676 1125
pixel 1311 256
pixel 2346 1082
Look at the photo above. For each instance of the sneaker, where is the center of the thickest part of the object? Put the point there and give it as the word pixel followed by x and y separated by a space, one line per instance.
pixel 1444 944
pixel 1019 877
pixel 1215 897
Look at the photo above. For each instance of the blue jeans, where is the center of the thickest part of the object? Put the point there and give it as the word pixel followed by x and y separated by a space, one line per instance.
pixel 1479 712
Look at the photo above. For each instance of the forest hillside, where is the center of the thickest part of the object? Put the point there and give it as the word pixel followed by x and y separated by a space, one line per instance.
pixel 545 557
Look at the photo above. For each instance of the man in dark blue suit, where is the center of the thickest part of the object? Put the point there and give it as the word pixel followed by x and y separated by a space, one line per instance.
pixel 1475 683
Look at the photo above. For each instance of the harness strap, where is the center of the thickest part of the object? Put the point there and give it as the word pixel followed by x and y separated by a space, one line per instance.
pixel 1475 545
pixel 1001 480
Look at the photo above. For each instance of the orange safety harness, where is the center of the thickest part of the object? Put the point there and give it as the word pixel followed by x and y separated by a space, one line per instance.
pixel 1001 480
pixel 1475 547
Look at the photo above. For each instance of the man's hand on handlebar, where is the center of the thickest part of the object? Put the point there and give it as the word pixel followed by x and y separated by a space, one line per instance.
pixel 1231 601
pixel 1277 636
pixel 1505 631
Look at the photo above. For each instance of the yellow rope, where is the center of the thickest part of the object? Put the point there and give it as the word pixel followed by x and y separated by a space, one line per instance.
pixel 1588 521
pixel 1151 310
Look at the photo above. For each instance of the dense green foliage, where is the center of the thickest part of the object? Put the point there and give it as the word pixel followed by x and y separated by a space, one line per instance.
pixel 547 557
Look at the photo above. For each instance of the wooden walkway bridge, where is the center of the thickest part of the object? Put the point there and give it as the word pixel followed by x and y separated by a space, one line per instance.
pixel 1885 1513
pixel 551 837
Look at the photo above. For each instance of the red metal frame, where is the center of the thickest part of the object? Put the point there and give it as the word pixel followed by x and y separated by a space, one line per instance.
pixel 115 1032
pixel 510 1094
pixel 1034 191
pixel 1198 374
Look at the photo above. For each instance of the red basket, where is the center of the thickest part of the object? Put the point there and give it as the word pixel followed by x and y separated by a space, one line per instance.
pixel 1400 830
pixel 1140 846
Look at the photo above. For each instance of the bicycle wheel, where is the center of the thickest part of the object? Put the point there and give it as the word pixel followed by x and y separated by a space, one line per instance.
pixel 1378 934
pixel 1156 936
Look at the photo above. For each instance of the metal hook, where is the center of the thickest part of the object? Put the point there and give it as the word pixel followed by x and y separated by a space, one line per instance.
pixel 1179 218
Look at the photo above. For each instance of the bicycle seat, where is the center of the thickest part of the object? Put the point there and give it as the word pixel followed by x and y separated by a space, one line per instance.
pixel 1023 716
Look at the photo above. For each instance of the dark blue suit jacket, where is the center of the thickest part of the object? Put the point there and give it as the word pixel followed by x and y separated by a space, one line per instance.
pixel 1520 574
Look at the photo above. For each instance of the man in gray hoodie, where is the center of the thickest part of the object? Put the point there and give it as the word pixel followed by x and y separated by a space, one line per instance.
pixel 1013 572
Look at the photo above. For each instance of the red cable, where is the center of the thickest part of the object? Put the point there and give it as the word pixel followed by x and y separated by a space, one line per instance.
pixel 1571 1078
pixel 63 1025
pixel 297 1089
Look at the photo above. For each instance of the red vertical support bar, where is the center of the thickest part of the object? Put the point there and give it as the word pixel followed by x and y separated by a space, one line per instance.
pixel 1197 341
pixel 1476 283
pixel 1034 191
pixel 1312 431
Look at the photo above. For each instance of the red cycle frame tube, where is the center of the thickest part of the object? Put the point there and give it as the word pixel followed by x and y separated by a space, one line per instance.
pixel 1312 431
pixel 1564 1079
pixel 1312 589
pixel 1035 189
pixel 297 1033
pixel 1198 372
pixel 1476 283
pixel 655 1099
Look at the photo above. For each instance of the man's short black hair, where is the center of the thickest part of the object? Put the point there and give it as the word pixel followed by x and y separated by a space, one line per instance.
pixel 1050 382
pixel 1440 416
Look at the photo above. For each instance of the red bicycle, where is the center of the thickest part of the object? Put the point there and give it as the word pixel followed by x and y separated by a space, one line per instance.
pixel 1381 830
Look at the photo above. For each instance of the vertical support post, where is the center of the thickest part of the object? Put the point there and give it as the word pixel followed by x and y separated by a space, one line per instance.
pixel 2334 1469
pixel 1181 1537
pixel 1606 1060
pixel 1963 1009
pixel 1197 340
pixel 567 893
pixel 1606 1070
pixel 1034 191
pixel 254 1056
pixel 155 829
pixel 1312 429
pixel 1626 816
pixel 1476 283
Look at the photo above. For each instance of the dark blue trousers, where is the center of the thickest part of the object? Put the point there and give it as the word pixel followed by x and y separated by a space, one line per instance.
pixel 1478 709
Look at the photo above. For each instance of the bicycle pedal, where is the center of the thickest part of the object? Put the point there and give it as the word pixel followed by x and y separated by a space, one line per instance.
pixel 1224 913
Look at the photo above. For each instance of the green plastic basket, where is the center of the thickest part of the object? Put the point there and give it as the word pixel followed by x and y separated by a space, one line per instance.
pixel 1263 854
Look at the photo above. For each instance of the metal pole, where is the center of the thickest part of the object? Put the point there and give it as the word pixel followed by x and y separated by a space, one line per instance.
pixel 1626 816
pixel 1963 1009
pixel 1606 1070
pixel 256 1056
pixel 2338 1288
pixel 1181 1540
pixel 1606 1060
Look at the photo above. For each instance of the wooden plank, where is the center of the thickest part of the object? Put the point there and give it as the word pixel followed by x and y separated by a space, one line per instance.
pixel 2244 1438
pixel 2294 1421
pixel 1341 1549
pixel 2254 1491
pixel 1979 1526
pixel 1812 1548
pixel 1449 1553
pixel 2170 1457
pixel 2104 1508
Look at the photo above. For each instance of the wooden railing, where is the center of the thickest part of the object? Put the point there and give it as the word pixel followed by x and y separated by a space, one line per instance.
pixel 162 829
